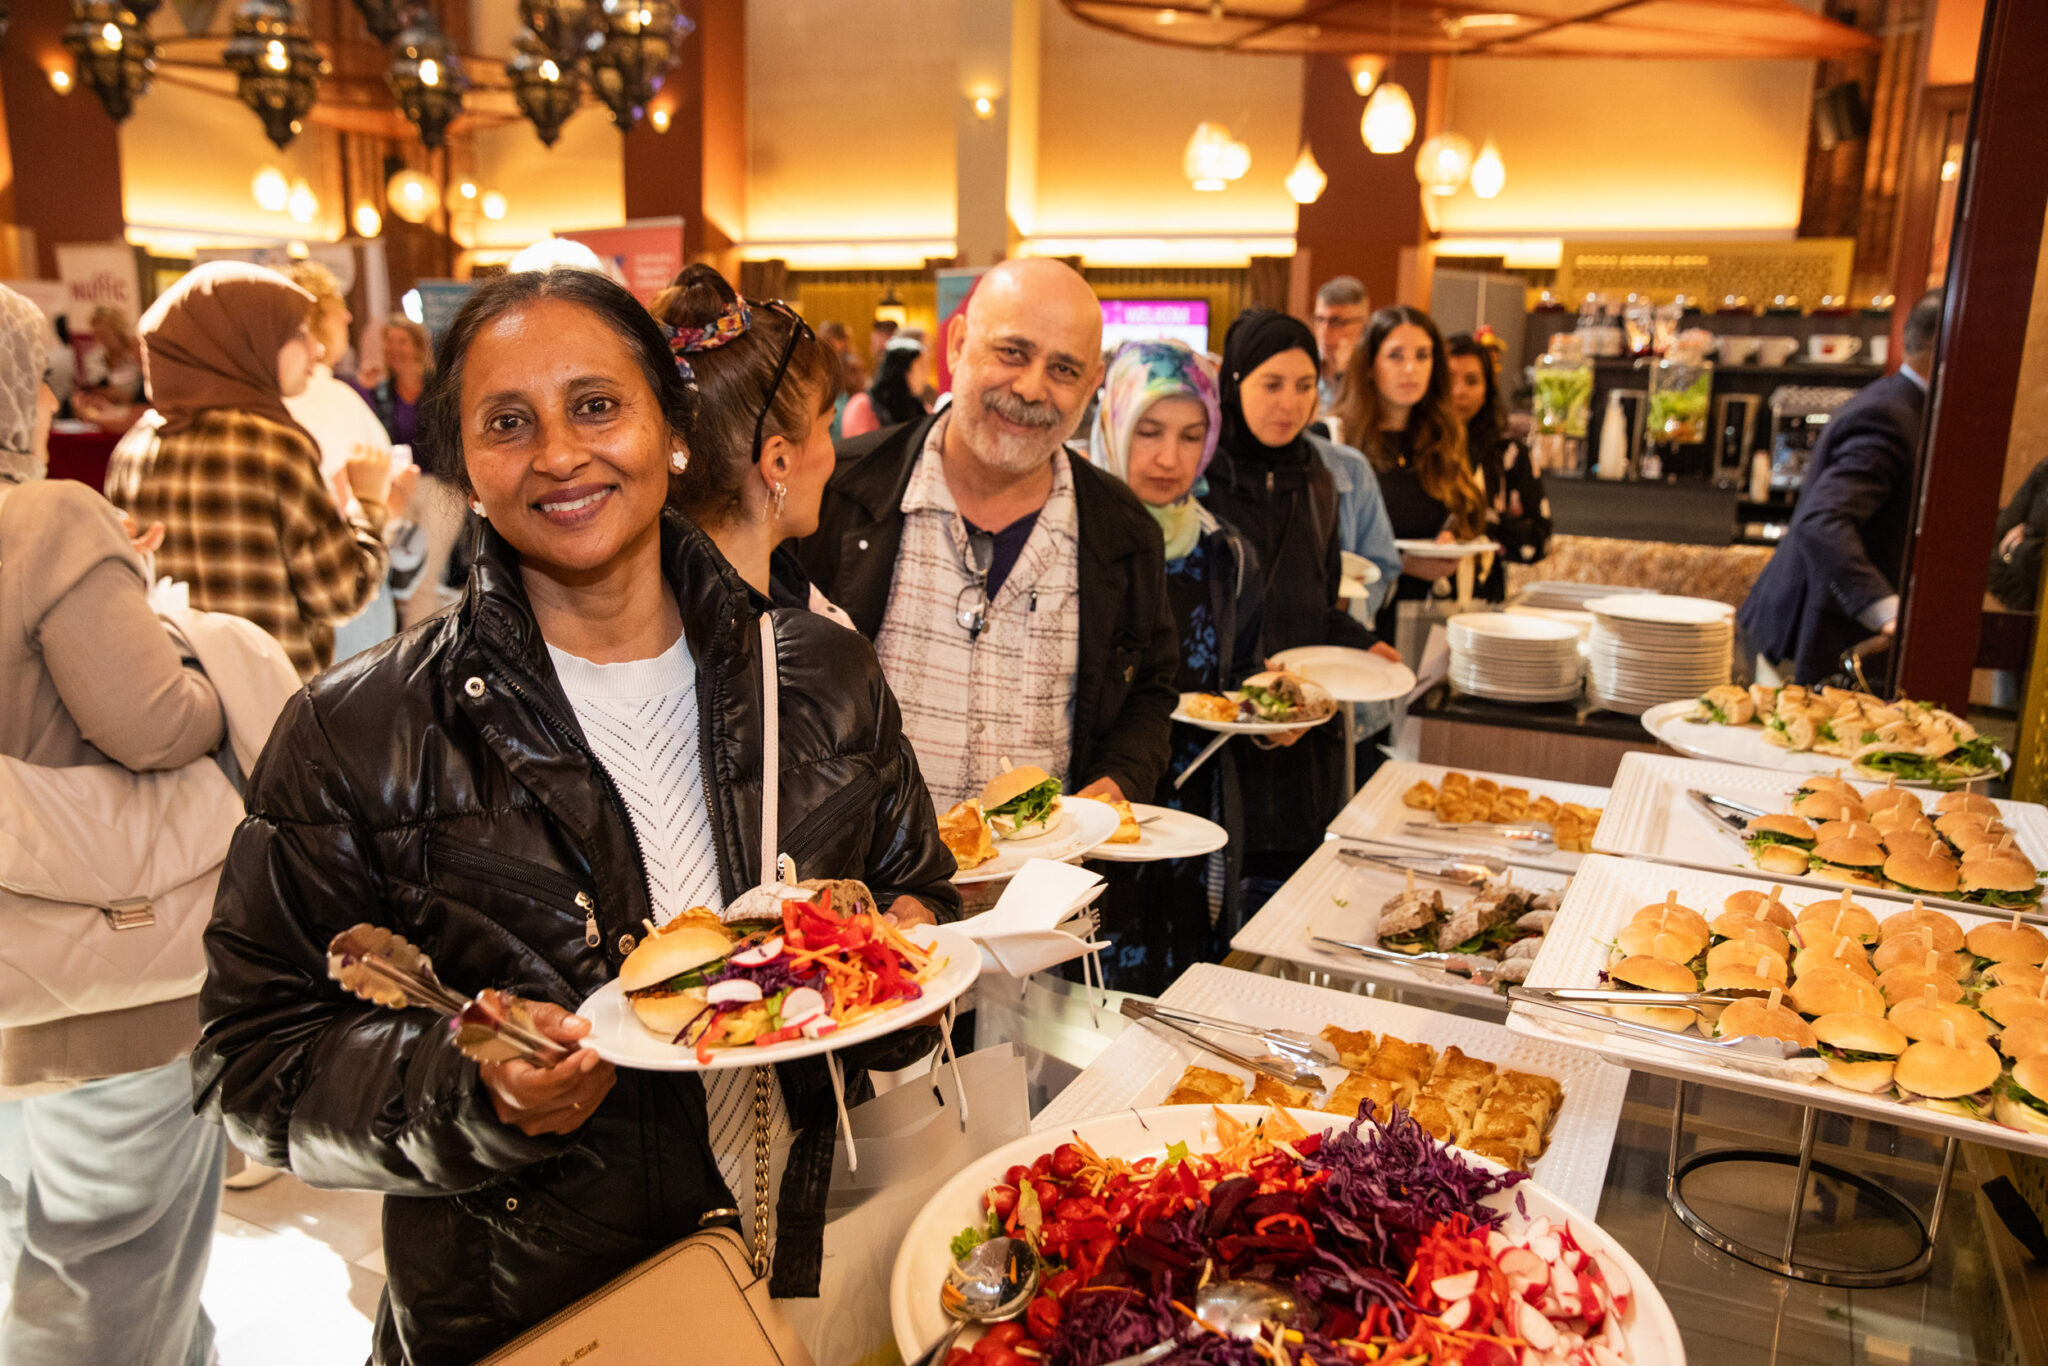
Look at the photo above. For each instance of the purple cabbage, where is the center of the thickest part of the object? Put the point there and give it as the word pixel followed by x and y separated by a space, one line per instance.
pixel 1102 1325
pixel 1384 1195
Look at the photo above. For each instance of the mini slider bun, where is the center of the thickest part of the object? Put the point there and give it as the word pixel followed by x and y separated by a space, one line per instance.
pixel 1754 1016
pixel 1929 845
pixel 1669 913
pixel 1743 925
pixel 1746 956
pixel 1967 801
pixel 1915 872
pixel 1922 1020
pixel 688 941
pixel 1828 806
pixel 1905 952
pixel 1941 1073
pixel 1786 860
pixel 2004 849
pixel 1848 830
pixel 1854 861
pixel 2003 942
pixel 1837 916
pixel 2001 875
pixel 1007 787
pixel 1891 798
pixel 2024 1038
pixel 1835 991
pixel 1942 930
pixel 1898 819
pixel 1763 906
pixel 1652 939
pixel 1786 828
pixel 2025 975
pixel 2030 1076
pixel 1652 974
pixel 1828 782
pixel 2008 1005
pixel 1912 984
pixel 1834 953
pixel 1853 1033
pixel 1967 835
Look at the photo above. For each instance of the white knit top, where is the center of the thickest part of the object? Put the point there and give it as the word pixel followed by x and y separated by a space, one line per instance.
pixel 641 719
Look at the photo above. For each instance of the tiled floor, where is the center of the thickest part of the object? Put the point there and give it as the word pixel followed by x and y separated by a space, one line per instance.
pixel 295 1276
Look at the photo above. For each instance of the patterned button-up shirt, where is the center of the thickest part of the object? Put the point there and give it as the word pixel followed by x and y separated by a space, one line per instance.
pixel 973 706
pixel 249 525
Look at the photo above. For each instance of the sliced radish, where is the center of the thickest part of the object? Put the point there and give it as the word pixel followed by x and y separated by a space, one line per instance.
pixel 1617 1280
pixel 733 991
pixel 1454 1318
pixel 1456 1287
pixel 801 1006
pixel 762 954
pixel 1547 1247
pixel 820 1027
pixel 1534 1329
pixel 1603 1355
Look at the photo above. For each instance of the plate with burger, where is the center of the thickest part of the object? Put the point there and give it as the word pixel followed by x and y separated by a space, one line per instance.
pixel 1265 704
pixel 701 994
pixel 1022 815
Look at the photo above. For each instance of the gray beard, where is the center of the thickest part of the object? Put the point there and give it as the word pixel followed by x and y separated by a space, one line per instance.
pixel 1009 452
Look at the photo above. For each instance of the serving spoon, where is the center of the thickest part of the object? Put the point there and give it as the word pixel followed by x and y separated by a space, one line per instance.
pixel 1238 1309
pixel 993 1282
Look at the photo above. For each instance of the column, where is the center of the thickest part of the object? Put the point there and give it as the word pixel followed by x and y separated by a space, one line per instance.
pixel 696 170
pixel 66 152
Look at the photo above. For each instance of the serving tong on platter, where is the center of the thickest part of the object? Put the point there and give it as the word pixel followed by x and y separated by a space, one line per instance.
pixel 386 969
pixel 1519 832
pixel 1462 963
pixel 1726 812
pixel 1291 1068
pixel 1759 1052
pixel 1308 1047
pixel 1460 867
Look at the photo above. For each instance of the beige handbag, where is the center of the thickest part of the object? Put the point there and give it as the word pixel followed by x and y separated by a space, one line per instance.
pixel 705 1299
pixel 698 1301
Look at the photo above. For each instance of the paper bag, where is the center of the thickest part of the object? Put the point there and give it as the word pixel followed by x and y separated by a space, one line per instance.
pixel 910 1143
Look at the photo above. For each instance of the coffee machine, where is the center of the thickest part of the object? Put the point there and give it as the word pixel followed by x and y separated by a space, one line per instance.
pixel 1799 414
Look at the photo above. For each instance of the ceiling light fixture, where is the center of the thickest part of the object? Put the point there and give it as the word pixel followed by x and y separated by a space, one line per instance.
pixel 1389 122
pixel 1213 157
pixel 112 53
pixel 277 68
pixel 1444 163
pixel 426 79
pixel 1306 181
pixel 631 49
pixel 367 220
pixel 1366 69
pixel 546 85
pixel 270 189
pixel 1489 174
pixel 412 196
pixel 493 205
pixel 302 204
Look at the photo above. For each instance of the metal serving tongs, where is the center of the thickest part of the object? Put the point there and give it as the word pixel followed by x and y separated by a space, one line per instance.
pixel 1535 836
pixel 1725 811
pixel 387 970
pixel 1780 1056
pixel 1282 1067
pixel 1463 963
pixel 1310 1049
pixel 1460 867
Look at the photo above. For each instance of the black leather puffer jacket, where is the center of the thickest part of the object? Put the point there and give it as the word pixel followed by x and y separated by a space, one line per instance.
pixel 439 785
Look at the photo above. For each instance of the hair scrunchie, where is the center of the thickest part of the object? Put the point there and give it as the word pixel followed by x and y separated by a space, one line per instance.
pixel 732 320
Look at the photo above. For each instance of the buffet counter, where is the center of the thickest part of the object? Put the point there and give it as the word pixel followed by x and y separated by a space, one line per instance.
pixel 1572 742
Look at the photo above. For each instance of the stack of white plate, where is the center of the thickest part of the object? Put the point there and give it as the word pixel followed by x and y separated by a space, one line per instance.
pixel 1511 657
pixel 1652 648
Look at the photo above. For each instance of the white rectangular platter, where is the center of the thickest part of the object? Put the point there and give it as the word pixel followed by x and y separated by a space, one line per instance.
pixel 1340 898
pixel 1651 817
pixel 1604 895
pixel 1144 1062
pixel 1376 813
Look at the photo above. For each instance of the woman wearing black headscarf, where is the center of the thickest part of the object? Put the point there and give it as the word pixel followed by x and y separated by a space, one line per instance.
pixel 1268 482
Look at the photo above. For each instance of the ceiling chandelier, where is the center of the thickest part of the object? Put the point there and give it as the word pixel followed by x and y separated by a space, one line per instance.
pixel 277 68
pixel 545 88
pixel 631 48
pixel 1489 175
pixel 1307 181
pixel 1388 125
pixel 1444 164
pixel 560 25
pixel 113 53
pixel 1214 157
pixel 427 79
pixel 386 19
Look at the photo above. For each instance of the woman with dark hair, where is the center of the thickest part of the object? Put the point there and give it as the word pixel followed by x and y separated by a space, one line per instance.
pixel 518 787
pixel 896 393
pixel 763 445
pixel 1268 482
pixel 1517 509
pixel 1395 406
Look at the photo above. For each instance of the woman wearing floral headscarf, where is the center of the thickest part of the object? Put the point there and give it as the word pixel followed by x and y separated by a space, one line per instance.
pixel 1156 429
pixel 108 1181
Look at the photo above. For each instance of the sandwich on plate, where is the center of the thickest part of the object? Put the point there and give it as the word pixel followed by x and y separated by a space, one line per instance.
pixel 1022 803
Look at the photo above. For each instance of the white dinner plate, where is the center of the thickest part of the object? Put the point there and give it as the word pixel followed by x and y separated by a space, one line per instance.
pixel 617 1036
pixel 1654 610
pixel 1083 823
pixel 1504 627
pixel 925 1254
pixel 1180 713
pixel 1445 550
pixel 1164 833
pixel 1349 674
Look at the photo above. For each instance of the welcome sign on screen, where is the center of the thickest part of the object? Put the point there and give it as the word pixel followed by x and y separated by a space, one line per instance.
pixel 1182 320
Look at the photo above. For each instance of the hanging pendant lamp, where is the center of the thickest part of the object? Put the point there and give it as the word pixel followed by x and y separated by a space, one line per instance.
pixel 1389 123
pixel 1306 182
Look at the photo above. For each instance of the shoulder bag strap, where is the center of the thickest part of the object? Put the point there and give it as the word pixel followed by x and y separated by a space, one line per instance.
pixel 771 750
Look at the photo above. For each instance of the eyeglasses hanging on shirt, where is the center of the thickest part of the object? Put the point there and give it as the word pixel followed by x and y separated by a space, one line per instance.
pixel 970 609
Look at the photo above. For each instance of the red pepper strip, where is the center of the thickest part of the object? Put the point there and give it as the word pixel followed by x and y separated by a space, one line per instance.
pixel 1285 1217
pixel 711 1035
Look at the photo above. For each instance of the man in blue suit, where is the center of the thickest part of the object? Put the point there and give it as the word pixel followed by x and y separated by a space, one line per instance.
pixel 1833 582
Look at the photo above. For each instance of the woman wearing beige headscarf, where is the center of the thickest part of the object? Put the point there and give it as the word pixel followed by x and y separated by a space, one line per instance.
pixel 234 478
pixel 108 1182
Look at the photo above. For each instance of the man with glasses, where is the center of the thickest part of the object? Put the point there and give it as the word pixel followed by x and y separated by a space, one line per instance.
pixel 1015 593
pixel 1341 311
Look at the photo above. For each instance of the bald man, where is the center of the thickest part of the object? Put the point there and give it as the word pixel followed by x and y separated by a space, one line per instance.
pixel 1015 593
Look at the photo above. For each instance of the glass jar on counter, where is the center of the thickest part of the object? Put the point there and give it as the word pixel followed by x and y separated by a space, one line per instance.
pixel 1562 380
pixel 1681 386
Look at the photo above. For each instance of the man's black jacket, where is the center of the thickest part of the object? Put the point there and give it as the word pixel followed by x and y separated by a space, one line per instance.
pixel 1124 680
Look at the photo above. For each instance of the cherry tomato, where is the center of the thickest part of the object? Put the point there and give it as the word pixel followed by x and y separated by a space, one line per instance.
pixel 1043 1165
pixel 1060 1283
pixel 1007 1334
pixel 1066 1160
pixel 959 1356
pixel 1002 1199
pixel 1003 1356
pixel 1043 1317
pixel 1048 1196
pixel 1016 1175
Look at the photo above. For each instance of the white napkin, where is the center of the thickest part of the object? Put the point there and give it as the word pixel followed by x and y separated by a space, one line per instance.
pixel 1041 920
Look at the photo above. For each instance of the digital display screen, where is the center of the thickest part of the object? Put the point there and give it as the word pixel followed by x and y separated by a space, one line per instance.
pixel 1182 320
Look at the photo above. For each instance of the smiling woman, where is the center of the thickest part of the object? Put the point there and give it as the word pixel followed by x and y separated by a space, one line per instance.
pixel 519 786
